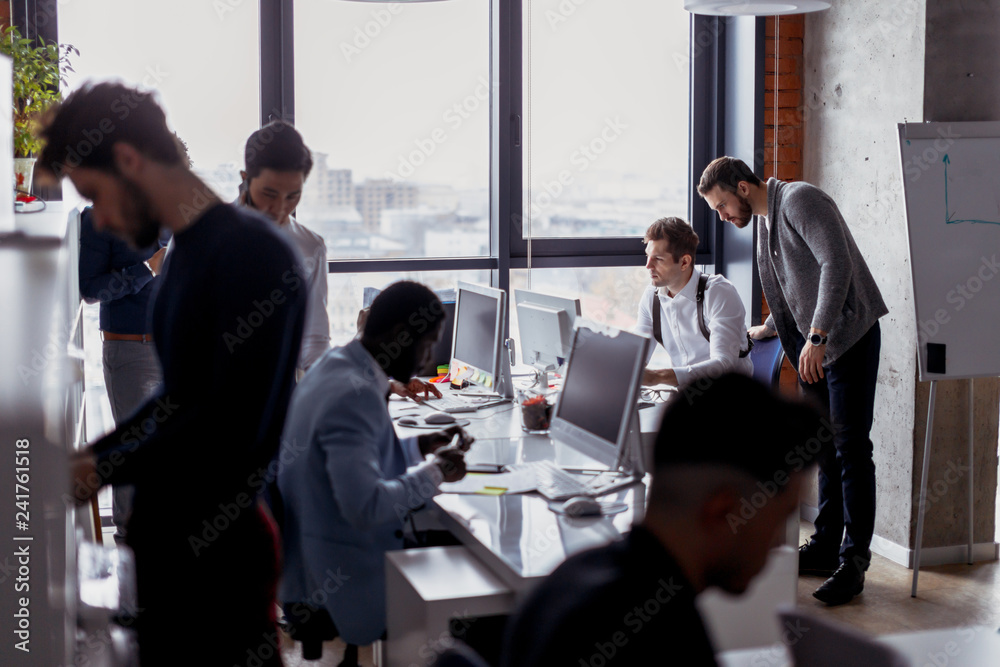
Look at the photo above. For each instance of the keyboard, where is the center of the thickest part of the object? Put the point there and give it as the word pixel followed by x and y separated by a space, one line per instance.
pixel 453 404
pixel 552 481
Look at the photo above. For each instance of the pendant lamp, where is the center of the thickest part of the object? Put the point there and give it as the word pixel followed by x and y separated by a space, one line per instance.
pixel 754 7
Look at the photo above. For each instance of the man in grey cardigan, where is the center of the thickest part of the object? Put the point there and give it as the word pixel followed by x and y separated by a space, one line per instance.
pixel 825 308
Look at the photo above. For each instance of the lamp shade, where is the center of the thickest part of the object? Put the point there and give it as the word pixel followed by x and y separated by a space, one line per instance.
pixel 754 7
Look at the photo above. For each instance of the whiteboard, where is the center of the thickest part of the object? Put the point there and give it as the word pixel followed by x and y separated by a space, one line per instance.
pixel 951 186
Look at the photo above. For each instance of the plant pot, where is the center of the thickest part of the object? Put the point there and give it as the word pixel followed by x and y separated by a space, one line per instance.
pixel 24 167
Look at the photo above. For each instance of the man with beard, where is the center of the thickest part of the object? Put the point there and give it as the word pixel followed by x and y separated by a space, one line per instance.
pixel 226 324
pixel 632 602
pixel 701 315
pixel 825 308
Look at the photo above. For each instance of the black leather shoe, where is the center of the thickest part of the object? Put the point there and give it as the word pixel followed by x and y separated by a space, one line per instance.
pixel 814 561
pixel 841 588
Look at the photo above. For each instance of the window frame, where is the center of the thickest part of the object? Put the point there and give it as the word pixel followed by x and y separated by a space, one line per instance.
pixel 707 116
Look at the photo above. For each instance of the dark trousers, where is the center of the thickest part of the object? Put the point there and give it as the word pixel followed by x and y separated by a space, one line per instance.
pixel 846 519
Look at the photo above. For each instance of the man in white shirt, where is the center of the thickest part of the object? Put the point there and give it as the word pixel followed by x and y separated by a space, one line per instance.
pixel 277 163
pixel 703 339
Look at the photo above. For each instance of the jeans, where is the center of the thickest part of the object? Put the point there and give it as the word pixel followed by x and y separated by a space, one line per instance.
pixel 846 519
pixel 132 374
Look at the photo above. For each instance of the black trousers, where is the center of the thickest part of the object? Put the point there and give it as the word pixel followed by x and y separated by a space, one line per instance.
pixel 846 519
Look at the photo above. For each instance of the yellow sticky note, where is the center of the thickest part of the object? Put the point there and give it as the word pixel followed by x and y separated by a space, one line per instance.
pixel 492 491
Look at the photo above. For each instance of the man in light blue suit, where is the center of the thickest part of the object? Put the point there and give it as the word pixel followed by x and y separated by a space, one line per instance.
pixel 347 480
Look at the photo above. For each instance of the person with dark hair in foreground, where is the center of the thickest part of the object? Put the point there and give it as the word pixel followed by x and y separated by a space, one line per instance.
pixel 277 163
pixel 825 308
pixel 348 482
pixel 633 602
pixel 227 322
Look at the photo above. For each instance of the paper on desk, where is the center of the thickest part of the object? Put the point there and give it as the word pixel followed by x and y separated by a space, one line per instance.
pixel 493 484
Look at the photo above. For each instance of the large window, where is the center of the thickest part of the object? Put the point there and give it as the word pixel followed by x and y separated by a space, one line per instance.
pixel 480 136
pixel 606 104
pixel 394 101
pixel 202 59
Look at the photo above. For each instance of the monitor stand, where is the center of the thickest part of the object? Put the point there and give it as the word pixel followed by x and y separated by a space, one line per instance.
pixel 631 458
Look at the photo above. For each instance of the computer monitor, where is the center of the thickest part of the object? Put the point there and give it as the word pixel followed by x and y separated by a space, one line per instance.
pixel 597 405
pixel 479 341
pixel 546 326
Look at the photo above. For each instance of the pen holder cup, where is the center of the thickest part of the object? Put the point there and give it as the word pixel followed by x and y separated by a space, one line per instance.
pixel 536 411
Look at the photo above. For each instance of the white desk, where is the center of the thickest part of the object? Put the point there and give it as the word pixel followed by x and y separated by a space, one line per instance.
pixel 520 540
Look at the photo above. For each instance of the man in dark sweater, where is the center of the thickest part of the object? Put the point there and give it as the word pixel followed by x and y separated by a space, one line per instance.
pixel 226 324
pixel 825 308
pixel 123 280
pixel 714 512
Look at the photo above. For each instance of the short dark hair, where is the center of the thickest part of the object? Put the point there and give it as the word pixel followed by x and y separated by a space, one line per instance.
pixel 718 422
pixel 726 172
pixel 680 236
pixel 406 303
pixel 81 131
pixel 277 146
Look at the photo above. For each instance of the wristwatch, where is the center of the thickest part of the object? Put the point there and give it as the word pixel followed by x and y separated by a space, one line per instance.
pixel 150 268
pixel 816 339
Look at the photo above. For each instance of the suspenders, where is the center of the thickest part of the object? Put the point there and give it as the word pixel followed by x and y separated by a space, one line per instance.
pixel 699 299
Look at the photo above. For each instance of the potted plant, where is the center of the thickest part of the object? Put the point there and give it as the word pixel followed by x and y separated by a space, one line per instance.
pixel 38 71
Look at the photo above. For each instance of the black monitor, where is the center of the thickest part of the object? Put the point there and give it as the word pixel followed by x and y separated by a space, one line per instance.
pixel 598 398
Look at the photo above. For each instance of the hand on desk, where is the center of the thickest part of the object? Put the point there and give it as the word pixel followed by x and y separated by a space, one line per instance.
pixel 413 389
pixel 665 376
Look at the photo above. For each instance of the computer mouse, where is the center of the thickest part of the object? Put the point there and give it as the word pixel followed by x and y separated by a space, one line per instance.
pixel 581 506
pixel 408 421
pixel 440 418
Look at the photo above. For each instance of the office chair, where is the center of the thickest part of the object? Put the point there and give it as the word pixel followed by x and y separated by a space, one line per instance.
pixel 767 356
pixel 312 626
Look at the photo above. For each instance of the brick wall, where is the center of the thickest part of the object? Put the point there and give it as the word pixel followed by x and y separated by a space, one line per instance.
pixel 783 139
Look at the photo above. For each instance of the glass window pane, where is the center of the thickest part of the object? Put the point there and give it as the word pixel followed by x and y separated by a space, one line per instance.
pixel 201 57
pixel 346 294
pixel 606 103
pixel 394 101
pixel 609 295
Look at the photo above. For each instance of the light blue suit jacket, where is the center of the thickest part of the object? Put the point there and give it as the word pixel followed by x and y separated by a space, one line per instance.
pixel 346 489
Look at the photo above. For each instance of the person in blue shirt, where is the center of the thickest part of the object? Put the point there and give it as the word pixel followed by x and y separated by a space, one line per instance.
pixel 227 325
pixel 123 280
pixel 348 482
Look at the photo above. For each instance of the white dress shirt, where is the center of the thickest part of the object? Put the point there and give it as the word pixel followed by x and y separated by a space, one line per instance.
pixel 691 356
pixel 316 331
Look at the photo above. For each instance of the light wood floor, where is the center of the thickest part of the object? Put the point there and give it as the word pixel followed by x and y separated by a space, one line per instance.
pixel 947 596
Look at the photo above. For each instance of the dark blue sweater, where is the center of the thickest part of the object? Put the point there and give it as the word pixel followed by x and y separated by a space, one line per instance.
pixel 113 273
